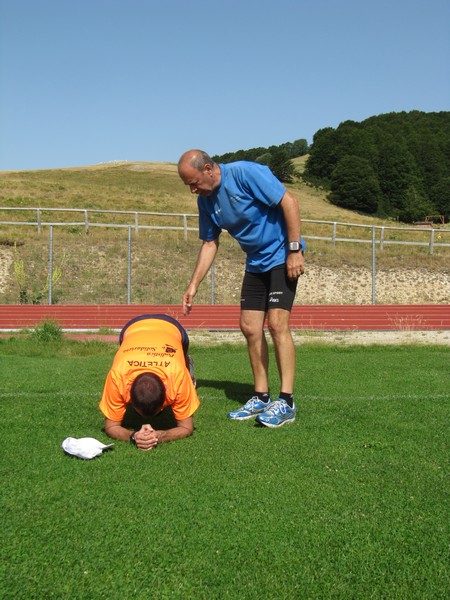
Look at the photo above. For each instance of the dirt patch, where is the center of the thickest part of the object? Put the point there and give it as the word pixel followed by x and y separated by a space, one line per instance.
pixel 6 260
pixel 353 285
pixel 343 338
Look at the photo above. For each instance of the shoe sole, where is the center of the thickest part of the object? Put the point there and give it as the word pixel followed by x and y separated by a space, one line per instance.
pixel 272 425
pixel 243 418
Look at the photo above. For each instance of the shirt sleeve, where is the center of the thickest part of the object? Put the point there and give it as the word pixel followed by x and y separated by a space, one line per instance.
pixel 262 184
pixel 113 404
pixel 207 229
pixel 186 402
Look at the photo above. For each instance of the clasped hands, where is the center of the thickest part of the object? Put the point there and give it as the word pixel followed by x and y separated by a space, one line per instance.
pixel 146 438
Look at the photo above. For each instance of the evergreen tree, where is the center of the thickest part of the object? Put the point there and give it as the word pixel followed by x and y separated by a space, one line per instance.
pixel 440 198
pixel 323 155
pixel 408 152
pixel 295 149
pixel 395 171
pixel 280 165
pixel 414 207
pixel 354 185
pixel 275 157
pixel 264 159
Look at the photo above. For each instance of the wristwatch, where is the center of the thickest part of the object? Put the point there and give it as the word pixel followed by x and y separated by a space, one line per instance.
pixel 132 438
pixel 294 246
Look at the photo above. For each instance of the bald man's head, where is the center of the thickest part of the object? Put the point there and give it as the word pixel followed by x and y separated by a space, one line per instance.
pixel 198 170
pixel 196 158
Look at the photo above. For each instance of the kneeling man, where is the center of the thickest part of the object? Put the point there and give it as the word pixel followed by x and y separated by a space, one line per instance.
pixel 151 370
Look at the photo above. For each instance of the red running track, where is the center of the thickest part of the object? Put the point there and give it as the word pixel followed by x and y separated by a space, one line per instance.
pixel 226 317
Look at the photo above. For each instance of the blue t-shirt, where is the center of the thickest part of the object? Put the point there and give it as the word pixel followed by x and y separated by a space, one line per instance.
pixel 247 205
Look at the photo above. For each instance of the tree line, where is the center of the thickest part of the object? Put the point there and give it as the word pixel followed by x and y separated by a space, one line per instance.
pixel 277 158
pixel 394 165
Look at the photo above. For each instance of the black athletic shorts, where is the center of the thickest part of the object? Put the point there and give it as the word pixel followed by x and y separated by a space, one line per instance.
pixel 161 317
pixel 272 289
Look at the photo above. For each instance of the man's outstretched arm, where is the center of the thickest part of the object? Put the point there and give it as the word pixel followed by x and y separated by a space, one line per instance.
pixel 205 259
pixel 147 438
pixel 184 428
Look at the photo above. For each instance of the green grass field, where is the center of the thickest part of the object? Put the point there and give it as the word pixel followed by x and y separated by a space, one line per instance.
pixel 350 501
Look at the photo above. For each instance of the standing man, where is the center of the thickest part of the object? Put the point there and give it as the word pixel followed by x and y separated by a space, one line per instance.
pixel 249 202
pixel 151 370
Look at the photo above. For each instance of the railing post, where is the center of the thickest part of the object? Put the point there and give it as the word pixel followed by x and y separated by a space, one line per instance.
pixel 50 277
pixel 333 237
pixel 86 221
pixel 38 218
pixel 431 241
pixel 129 267
pixel 185 227
pixel 136 223
pixel 382 238
pixel 374 294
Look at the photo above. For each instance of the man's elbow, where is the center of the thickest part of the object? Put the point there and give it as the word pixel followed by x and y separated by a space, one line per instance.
pixel 109 432
pixel 187 431
pixel 112 428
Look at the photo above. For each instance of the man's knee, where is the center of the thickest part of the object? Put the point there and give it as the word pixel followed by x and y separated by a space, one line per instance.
pixel 278 322
pixel 249 330
pixel 252 325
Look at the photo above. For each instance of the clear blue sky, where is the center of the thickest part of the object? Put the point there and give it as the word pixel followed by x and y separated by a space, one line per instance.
pixel 90 81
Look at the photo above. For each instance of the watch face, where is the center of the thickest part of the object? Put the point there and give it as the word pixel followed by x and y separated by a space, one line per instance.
pixel 294 246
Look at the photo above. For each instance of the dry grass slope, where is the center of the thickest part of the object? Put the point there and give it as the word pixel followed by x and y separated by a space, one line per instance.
pixel 95 265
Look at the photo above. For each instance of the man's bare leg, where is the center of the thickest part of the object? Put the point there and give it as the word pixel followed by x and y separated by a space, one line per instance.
pixel 252 326
pixel 278 325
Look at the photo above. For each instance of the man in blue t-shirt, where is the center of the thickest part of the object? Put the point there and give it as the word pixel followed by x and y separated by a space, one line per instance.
pixel 249 202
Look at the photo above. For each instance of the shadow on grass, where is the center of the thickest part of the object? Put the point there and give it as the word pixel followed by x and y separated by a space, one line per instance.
pixel 238 391
pixel 164 420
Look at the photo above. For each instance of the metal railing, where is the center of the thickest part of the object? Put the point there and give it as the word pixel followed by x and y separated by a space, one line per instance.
pixel 382 235
pixel 86 223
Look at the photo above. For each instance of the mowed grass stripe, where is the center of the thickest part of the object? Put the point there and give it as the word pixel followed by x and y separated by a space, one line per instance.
pixel 350 501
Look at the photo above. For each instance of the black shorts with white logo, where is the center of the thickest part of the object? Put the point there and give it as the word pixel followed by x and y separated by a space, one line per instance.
pixel 272 289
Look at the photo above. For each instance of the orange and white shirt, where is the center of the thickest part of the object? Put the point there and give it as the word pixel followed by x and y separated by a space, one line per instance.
pixel 150 346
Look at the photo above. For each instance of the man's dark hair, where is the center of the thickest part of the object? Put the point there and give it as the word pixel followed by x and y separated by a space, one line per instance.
pixel 147 394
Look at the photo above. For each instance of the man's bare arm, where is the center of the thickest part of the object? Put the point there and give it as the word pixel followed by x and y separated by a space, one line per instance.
pixel 295 263
pixel 184 428
pixel 205 259
pixel 146 438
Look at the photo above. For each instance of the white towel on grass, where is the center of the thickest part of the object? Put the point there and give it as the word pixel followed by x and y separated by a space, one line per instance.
pixel 86 448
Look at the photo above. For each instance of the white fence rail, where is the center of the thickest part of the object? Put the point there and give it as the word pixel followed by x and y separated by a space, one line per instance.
pixel 87 223
pixel 380 234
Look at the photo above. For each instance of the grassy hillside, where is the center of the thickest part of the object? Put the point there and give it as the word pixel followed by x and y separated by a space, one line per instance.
pixel 135 186
pixel 94 266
